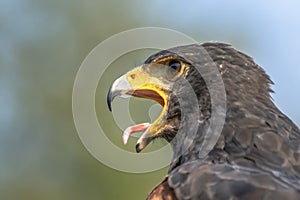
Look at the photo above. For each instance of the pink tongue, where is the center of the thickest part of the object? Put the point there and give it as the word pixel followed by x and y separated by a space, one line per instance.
pixel 134 129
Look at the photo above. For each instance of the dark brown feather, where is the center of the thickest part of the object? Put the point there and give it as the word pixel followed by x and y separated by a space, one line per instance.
pixel 257 155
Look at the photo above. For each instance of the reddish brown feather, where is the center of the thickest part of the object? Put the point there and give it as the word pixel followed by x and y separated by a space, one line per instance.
pixel 162 192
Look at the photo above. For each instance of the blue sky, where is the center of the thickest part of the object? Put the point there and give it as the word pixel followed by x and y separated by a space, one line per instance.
pixel 266 30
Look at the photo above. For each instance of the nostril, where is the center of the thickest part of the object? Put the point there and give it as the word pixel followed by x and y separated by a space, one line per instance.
pixel 132 76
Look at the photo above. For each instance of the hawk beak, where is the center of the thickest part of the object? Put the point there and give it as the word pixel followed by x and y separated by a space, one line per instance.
pixel 143 141
pixel 120 87
pixel 140 84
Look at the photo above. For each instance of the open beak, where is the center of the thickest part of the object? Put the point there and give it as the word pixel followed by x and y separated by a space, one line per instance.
pixel 139 84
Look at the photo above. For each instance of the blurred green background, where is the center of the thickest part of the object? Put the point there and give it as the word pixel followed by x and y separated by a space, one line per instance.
pixel 42 44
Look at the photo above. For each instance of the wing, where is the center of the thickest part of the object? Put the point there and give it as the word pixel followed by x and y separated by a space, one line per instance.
pixel 162 192
pixel 255 158
pixel 223 181
pixel 259 159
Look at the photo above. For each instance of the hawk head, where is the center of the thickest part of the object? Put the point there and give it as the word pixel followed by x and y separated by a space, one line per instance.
pixel 172 79
pixel 155 80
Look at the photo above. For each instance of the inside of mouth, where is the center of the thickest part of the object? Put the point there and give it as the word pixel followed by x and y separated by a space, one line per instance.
pixel 149 94
pixel 142 127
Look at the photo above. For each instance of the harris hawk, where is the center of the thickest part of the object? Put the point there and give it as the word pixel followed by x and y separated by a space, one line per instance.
pixel 257 152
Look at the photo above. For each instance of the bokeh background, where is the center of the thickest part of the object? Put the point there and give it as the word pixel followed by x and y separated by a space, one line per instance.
pixel 42 44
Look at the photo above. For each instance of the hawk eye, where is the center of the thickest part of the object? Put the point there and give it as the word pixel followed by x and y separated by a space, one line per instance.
pixel 175 65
